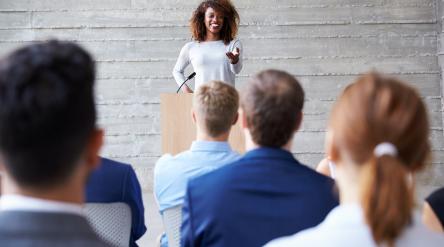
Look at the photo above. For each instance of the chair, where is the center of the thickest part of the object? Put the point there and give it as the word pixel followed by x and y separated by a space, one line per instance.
pixel 111 221
pixel 172 220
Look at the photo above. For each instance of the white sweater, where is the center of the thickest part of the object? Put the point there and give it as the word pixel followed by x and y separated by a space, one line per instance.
pixel 209 61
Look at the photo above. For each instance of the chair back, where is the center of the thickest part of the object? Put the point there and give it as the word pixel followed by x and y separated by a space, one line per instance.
pixel 111 221
pixel 172 220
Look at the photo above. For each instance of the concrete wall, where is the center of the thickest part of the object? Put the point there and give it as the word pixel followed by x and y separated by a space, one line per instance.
pixel 325 43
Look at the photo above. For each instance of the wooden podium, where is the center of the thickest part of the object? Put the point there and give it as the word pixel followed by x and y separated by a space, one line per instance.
pixel 178 129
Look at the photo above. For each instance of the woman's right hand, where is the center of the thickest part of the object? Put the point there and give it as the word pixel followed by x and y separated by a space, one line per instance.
pixel 186 89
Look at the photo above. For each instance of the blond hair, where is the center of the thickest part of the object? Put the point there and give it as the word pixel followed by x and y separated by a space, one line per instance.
pixel 216 104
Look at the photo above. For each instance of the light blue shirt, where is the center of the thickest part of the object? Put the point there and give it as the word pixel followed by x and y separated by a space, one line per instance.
pixel 171 173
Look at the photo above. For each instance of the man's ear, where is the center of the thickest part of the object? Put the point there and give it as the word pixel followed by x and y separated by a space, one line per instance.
pixel 94 145
pixel 193 116
pixel 299 122
pixel 235 118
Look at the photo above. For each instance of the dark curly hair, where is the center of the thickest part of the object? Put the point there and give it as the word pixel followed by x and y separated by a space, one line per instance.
pixel 231 20
pixel 47 111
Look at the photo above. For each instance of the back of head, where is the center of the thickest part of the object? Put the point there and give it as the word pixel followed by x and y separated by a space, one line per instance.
pixel 376 110
pixel 47 111
pixel 216 104
pixel 272 102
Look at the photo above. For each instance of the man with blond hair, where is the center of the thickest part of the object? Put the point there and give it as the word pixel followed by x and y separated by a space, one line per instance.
pixel 214 111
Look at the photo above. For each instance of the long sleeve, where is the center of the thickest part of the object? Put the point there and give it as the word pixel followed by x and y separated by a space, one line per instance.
pixel 133 197
pixel 181 64
pixel 236 68
pixel 187 232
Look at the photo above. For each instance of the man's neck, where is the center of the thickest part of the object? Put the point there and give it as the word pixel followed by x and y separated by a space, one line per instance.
pixel 205 137
pixel 67 197
pixel 69 193
pixel 250 144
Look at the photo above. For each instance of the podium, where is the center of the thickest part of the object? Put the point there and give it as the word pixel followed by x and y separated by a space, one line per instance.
pixel 178 129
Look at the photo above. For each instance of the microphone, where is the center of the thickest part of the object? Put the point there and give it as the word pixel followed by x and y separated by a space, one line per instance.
pixel 189 78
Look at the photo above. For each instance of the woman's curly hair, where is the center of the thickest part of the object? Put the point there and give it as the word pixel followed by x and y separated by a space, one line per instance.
pixel 229 27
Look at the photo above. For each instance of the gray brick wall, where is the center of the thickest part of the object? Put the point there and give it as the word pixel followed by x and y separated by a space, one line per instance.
pixel 326 43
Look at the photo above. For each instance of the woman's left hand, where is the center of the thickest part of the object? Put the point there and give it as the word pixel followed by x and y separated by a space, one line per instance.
pixel 233 56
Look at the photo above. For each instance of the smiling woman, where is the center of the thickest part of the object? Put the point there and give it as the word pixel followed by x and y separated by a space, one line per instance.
pixel 214 53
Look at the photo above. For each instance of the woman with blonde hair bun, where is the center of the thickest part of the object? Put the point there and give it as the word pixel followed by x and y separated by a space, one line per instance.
pixel 378 138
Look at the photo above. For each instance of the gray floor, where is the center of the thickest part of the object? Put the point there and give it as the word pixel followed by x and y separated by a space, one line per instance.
pixel 152 220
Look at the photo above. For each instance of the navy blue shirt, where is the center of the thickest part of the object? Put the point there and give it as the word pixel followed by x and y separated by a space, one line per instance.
pixel 264 195
pixel 117 182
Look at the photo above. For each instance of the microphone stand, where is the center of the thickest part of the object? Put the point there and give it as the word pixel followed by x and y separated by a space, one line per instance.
pixel 183 83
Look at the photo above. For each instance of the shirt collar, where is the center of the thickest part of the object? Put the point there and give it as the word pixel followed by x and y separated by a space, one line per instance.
pixel 212 146
pixel 26 203
pixel 269 152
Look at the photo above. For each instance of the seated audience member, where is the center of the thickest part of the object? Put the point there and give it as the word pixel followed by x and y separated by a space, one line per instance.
pixel 433 211
pixel 267 193
pixel 214 111
pixel 49 145
pixel 378 135
pixel 117 182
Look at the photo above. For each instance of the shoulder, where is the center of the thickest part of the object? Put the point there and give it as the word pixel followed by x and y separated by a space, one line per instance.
pixel 113 164
pixel 234 156
pixel 317 183
pixel 213 186
pixel 328 234
pixel 309 237
pixel 284 241
pixel 215 179
pixel 235 43
pixel 189 45
pixel 112 168
pixel 164 161
pixel 419 235
pixel 437 197
pixel 167 161
pixel 317 177
pixel 312 237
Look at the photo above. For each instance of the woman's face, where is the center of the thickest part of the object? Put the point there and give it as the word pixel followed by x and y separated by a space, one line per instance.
pixel 213 20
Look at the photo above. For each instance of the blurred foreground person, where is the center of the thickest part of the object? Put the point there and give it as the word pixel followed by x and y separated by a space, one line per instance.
pixel 49 145
pixel 378 136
